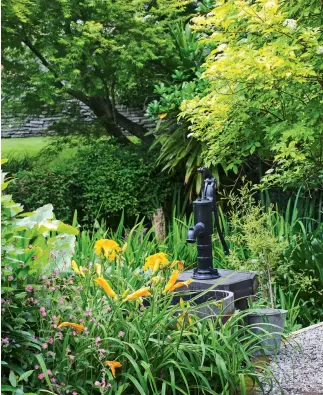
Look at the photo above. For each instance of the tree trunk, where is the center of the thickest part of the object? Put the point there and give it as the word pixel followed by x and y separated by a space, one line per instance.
pixel 159 225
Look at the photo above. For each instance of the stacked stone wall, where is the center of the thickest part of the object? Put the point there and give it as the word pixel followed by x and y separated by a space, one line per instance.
pixel 16 125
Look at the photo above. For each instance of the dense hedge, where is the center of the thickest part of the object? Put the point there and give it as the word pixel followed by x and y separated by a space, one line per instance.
pixel 100 182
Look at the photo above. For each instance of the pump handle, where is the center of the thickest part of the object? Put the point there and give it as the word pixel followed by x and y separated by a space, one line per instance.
pixel 209 192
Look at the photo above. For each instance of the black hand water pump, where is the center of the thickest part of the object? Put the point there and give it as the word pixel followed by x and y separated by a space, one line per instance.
pixel 202 231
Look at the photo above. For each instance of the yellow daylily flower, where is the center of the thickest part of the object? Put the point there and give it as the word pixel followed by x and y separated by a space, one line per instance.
pixel 124 247
pixel 154 262
pixel 141 292
pixel 163 115
pixel 106 286
pixel 109 247
pixel 179 264
pixel 156 279
pixel 78 327
pixel 76 269
pixel 181 319
pixel 113 365
pixel 172 280
pixel 98 269
pixel 180 284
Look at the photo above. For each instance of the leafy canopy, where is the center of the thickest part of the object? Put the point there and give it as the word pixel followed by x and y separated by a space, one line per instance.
pixel 94 48
pixel 265 87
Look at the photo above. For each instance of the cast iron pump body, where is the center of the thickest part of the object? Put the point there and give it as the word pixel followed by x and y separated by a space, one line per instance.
pixel 202 231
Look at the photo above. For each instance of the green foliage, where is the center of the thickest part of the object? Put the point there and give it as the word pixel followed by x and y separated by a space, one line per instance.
pixel 32 244
pixel 98 52
pixel 101 181
pixel 265 88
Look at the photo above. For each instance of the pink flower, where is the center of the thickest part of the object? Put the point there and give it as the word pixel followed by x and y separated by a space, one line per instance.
pixel 81 321
pixel 35 257
pixel 59 335
pixel 49 372
pixel 71 357
pixel 5 340
pixel 97 340
pixel 121 333
pixel 108 308
pixel 88 313
pixel 54 318
pixel 44 314
pixel 41 376
pixel 10 278
pixel 53 380
pixel 63 384
pixel 42 309
pixel 51 353
pixel 74 393
pixel 52 289
pixel 61 300
pixel 74 333
pixel 50 340
pixel 45 346
pixel 36 367
pixel 54 326
pixel 3 300
pixel 29 288
pixel 71 316
pixel 97 383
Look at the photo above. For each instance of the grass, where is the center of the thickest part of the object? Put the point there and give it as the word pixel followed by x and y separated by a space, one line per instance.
pixel 21 147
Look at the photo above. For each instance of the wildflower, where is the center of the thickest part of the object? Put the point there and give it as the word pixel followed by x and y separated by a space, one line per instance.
pixel 113 365
pixel 81 321
pixel 108 308
pixel 60 336
pixel 5 340
pixel 29 288
pixel 79 328
pixel 61 299
pixel 163 115
pixel 97 340
pixel 44 346
pixel 49 372
pixel 10 278
pixel 121 333
pixel 156 261
pixel 97 383
pixel 141 292
pixel 88 313
pixel 44 313
pixel 51 354
pixel 71 357
pixel 41 376
pixel 42 309
pixel 108 247
pixel 179 264
pixel 50 340
pixel 36 367
pixel 74 393
pixel 105 285
pixel 98 269
pixel 52 380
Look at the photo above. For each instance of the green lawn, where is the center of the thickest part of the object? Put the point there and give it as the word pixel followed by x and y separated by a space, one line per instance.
pixel 31 146
pixel 20 147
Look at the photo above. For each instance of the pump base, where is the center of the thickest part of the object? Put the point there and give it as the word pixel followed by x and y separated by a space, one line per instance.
pixel 209 274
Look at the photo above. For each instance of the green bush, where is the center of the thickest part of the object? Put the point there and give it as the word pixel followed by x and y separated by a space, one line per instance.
pixel 100 182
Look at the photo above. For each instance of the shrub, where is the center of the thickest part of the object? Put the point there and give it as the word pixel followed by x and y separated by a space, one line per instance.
pixel 100 182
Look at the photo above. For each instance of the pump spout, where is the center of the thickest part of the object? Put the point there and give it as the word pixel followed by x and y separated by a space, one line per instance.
pixel 195 231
